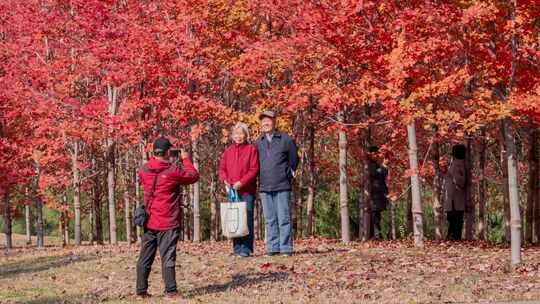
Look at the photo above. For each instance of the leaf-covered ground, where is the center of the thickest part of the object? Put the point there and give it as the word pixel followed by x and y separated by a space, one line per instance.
pixel 321 271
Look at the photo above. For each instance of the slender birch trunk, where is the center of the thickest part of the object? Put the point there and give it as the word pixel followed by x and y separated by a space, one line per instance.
pixel 28 224
pixel 196 197
pixel 112 94
pixel 418 228
pixel 343 195
pixel 437 190
pixel 39 206
pixel 509 136
pixel 76 192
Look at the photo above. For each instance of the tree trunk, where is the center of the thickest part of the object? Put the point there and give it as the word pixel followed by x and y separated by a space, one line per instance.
pixel 111 200
pixel 91 220
pixel 28 224
pixel 437 190
pixel 196 197
pixel 188 199
pixel 113 107
pixel 214 232
pixel 470 208
pixel 98 224
pixel 361 193
pixel 191 225
pixel 481 231
pixel 311 182
pixel 418 229
pixel 39 224
pixel 343 195
pixel 215 188
pixel 138 199
pixel 96 205
pixel 64 221
pixel 127 216
pixel 534 182
pixel 66 228
pixel 62 228
pixel 7 222
pixel 392 220
pixel 299 202
pixel 367 201
pixel 410 223
pixel 504 162
pixel 76 192
pixel 39 209
pixel 127 200
pixel 138 194
pixel 513 191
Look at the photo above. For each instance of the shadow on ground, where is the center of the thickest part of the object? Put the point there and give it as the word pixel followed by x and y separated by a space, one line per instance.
pixel 41 264
pixel 239 280
pixel 58 299
pixel 320 252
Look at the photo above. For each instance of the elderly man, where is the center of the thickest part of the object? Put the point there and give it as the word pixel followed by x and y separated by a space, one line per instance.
pixel 278 160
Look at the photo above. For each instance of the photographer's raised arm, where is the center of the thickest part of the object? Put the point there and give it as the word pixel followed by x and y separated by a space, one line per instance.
pixel 187 174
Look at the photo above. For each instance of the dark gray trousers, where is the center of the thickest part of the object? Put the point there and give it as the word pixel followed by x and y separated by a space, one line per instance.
pixel 151 240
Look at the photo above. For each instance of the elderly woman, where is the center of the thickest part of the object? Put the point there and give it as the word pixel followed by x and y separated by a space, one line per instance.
pixel 238 169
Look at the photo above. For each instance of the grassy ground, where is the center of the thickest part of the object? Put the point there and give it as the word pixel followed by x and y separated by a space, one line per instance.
pixel 321 271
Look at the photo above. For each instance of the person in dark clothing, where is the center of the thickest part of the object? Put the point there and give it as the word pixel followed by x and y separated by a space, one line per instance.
pixel 378 192
pixel 238 169
pixel 278 159
pixel 161 181
pixel 455 192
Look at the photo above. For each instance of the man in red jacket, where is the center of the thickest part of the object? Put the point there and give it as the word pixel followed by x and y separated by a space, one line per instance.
pixel 161 181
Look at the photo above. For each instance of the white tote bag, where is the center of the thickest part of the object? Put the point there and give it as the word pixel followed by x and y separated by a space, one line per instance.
pixel 234 217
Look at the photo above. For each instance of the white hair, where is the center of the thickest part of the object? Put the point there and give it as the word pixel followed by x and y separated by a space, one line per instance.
pixel 244 127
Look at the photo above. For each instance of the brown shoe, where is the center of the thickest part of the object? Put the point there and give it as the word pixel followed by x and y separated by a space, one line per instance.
pixel 143 296
pixel 173 295
pixel 176 297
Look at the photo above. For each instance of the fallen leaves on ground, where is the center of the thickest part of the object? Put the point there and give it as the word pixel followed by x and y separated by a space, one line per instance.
pixel 321 271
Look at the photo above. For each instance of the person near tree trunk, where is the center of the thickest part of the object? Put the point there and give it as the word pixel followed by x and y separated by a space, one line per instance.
pixel 378 192
pixel 455 194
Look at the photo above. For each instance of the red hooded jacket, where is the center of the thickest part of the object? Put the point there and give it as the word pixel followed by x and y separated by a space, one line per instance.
pixel 164 212
pixel 240 162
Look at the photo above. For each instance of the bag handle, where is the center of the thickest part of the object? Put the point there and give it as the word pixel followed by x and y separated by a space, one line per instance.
pixel 233 196
pixel 151 193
